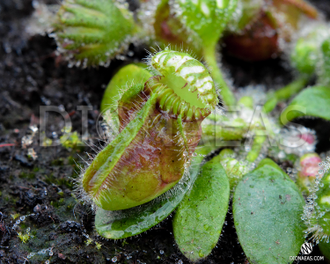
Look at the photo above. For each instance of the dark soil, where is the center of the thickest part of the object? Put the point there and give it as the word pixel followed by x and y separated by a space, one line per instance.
pixel 37 196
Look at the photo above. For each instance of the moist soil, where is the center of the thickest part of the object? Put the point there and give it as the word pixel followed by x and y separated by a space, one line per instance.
pixel 41 219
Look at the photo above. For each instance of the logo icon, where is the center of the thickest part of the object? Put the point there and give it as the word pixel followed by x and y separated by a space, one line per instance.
pixel 306 248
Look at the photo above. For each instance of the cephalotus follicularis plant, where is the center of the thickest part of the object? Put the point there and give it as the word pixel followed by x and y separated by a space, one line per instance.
pixel 166 118
pixel 160 126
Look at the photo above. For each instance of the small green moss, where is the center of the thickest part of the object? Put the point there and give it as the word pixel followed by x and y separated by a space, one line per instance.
pixel 88 241
pixel 14 200
pixel 25 175
pixel 57 162
pixel 71 160
pixel 70 206
pixel 71 141
pixel 60 181
pixel 14 216
pixel 34 233
pixel 24 237
pixel 75 173
pixel 52 203
pixel 98 245
pixel 50 178
pixel 47 142
pixel 124 243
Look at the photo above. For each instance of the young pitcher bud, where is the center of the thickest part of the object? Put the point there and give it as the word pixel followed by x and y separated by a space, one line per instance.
pixel 159 130
pixel 192 25
pixel 168 29
pixel 206 18
pixel 234 168
pixel 309 164
pixel 93 32
pixel 306 53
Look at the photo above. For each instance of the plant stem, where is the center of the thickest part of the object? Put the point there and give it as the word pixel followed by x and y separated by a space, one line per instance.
pixel 224 131
pixel 227 95
pixel 258 142
pixel 292 88
pixel 285 93
pixel 304 7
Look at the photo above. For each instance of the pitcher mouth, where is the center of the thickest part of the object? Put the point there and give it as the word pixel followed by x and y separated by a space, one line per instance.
pixel 184 86
pixel 171 103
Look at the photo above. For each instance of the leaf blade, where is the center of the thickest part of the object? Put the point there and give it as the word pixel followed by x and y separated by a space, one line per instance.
pixel 313 101
pixel 198 221
pixel 267 208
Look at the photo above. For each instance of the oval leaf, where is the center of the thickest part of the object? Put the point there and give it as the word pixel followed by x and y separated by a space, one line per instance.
pixel 198 221
pixel 131 222
pixel 267 210
pixel 313 101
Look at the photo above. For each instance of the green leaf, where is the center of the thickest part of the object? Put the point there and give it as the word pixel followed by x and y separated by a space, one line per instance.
pixel 267 208
pixel 313 101
pixel 131 222
pixel 199 218
pixel 324 72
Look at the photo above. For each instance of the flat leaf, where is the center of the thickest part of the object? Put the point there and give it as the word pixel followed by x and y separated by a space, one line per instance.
pixel 313 101
pixel 198 221
pixel 131 222
pixel 267 208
